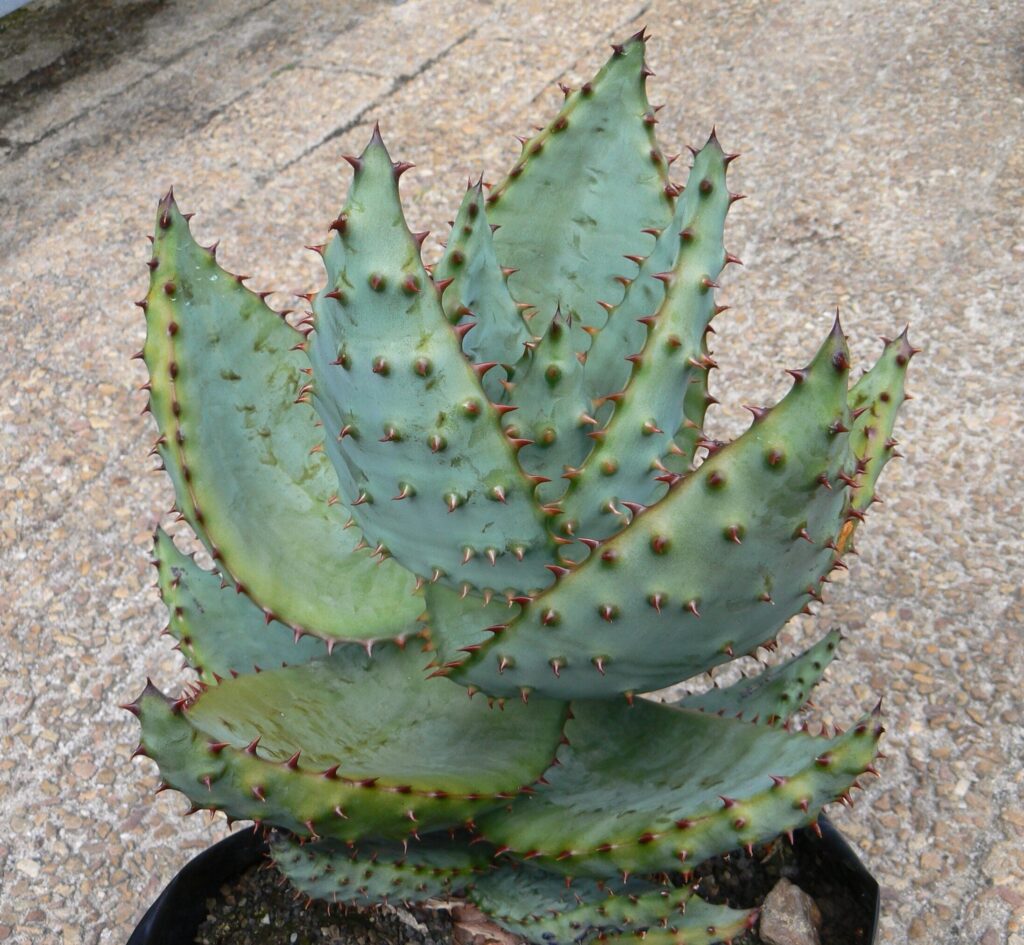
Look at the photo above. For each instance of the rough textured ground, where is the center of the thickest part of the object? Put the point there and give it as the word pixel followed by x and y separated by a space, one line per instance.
pixel 884 158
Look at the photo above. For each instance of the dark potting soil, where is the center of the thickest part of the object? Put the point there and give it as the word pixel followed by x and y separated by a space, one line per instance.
pixel 258 909
pixel 742 881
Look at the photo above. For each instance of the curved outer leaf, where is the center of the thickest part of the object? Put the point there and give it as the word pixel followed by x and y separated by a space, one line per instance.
pixel 478 294
pixel 219 631
pixel 419 451
pixel 381 751
pixel 774 695
pixel 875 400
pixel 713 570
pixel 648 422
pixel 612 804
pixel 536 903
pixel 375 871
pixel 223 385
pixel 580 195
pixel 542 908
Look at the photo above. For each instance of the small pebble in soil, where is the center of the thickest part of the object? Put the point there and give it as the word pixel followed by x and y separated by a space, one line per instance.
pixel 789 916
pixel 741 880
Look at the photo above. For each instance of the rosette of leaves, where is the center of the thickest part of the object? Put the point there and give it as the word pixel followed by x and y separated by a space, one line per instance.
pixel 490 476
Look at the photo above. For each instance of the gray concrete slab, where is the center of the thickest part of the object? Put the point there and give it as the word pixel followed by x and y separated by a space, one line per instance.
pixel 884 164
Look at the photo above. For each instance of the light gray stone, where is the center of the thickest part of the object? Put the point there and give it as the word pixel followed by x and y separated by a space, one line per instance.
pixel 789 916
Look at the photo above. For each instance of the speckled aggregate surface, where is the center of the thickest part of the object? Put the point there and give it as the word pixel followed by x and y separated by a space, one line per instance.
pixel 884 161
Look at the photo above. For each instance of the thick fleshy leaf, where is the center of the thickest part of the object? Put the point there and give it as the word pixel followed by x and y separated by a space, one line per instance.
pixel 244 456
pixel 478 295
pixel 577 201
pixel 419 450
pixel 367 746
pixel 712 785
pixel 711 571
pixel 704 924
pixel 370 872
pixel 773 695
pixel 459 624
pixel 219 631
pixel 648 423
pixel 875 400
pixel 544 909
pixel 607 369
pixel 552 409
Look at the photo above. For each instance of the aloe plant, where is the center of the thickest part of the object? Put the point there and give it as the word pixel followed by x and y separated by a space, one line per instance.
pixel 490 476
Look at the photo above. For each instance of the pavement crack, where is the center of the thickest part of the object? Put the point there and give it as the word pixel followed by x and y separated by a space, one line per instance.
pixel 399 82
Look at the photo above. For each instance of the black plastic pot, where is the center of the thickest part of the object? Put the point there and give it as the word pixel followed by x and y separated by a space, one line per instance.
pixel 830 860
pixel 175 917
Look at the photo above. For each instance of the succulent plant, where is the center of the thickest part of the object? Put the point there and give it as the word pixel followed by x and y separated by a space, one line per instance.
pixel 490 476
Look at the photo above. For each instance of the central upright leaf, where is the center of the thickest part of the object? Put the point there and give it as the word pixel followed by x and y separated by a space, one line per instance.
pixel 422 460
pixel 568 233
